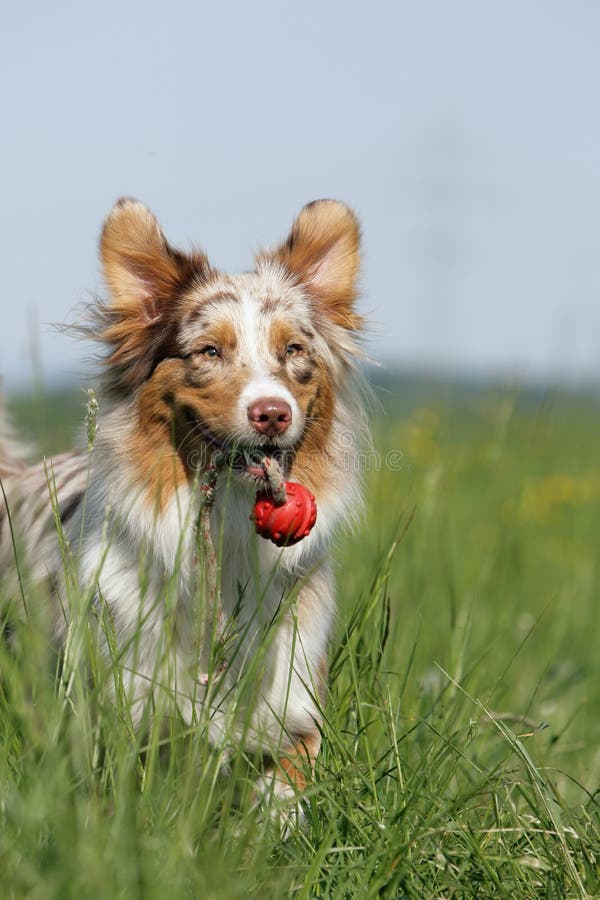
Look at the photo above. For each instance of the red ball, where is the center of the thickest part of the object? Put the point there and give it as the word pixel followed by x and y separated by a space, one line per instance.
pixel 289 523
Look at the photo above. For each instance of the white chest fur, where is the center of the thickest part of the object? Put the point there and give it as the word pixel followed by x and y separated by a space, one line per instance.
pixel 276 607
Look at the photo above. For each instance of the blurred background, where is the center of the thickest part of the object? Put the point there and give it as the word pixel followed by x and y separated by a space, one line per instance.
pixel 465 135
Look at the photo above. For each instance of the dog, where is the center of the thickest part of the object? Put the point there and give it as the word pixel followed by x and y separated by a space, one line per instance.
pixel 199 365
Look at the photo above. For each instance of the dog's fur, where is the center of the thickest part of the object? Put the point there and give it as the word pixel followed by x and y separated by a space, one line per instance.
pixel 188 351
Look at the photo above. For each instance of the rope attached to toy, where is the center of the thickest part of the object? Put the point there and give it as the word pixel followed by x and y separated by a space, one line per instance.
pixel 274 477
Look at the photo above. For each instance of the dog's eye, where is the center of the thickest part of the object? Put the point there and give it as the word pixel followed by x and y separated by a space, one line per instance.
pixel 293 349
pixel 210 351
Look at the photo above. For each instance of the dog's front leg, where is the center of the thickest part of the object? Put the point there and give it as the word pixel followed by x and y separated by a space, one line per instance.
pixel 299 684
pixel 286 777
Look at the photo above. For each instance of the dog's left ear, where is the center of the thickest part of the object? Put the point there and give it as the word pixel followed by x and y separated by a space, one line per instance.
pixel 141 268
pixel 323 252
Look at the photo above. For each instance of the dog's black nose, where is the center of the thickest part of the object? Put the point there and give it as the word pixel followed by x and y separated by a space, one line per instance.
pixel 270 416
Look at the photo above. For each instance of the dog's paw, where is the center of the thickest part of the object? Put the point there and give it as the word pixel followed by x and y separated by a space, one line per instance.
pixel 281 803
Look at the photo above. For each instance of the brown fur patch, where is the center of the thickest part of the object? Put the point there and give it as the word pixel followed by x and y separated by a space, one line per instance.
pixel 300 372
pixel 211 391
pixel 220 334
pixel 312 464
pixel 281 333
pixel 153 444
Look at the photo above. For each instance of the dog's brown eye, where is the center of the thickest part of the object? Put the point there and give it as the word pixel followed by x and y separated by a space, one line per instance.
pixel 293 349
pixel 209 351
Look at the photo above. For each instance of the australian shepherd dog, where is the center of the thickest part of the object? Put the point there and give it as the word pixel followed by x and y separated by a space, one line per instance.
pixel 197 365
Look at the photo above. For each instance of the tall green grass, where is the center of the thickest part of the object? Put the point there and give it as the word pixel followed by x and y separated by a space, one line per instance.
pixel 462 727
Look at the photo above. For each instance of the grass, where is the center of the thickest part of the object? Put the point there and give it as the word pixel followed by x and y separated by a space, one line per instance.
pixel 461 740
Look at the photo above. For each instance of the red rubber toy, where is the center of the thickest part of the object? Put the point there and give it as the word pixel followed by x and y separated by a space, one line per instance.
pixel 291 521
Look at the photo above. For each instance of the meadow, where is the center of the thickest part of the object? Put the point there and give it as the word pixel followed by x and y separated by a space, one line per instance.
pixel 461 740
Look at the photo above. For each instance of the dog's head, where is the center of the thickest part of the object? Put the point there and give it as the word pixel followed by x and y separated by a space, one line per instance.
pixel 231 362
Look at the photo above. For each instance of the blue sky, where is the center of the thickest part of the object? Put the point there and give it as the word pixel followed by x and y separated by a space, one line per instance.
pixel 465 135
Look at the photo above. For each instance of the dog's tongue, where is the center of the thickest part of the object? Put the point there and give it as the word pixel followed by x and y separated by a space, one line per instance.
pixel 254 467
pixel 255 462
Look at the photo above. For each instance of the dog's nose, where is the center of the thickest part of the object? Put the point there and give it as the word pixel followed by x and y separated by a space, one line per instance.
pixel 270 416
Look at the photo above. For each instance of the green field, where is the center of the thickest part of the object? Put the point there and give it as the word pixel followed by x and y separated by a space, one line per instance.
pixel 461 752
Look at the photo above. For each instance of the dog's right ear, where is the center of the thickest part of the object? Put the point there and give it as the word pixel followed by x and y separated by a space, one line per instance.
pixel 145 276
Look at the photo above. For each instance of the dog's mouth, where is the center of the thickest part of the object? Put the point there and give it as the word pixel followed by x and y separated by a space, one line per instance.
pixel 249 462
pixel 243 459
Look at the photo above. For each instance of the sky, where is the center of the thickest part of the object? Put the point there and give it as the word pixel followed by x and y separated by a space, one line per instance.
pixel 465 135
